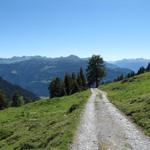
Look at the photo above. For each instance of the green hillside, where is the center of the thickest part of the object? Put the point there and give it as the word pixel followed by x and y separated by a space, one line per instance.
pixel 45 124
pixel 132 96
pixel 9 89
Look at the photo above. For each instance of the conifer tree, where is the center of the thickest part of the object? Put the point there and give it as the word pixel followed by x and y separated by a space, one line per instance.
pixel 95 70
pixel 121 77
pixel 55 88
pixel 148 67
pixel 2 100
pixel 75 86
pixel 17 100
pixel 131 74
pixel 63 90
pixel 71 84
pixel 79 80
pixel 83 79
pixel 68 84
pixel 141 70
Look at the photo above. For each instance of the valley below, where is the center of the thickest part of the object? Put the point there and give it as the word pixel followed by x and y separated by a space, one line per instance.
pixel 35 73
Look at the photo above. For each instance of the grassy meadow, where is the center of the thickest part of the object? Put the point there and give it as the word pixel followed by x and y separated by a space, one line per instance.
pixel 132 96
pixel 42 125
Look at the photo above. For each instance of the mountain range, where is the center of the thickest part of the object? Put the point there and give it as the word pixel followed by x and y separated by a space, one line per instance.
pixel 133 64
pixel 9 89
pixel 35 72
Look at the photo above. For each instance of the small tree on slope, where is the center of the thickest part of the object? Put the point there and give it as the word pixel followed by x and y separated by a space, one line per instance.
pixel 17 100
pixel 55 88
pixel 95 70
pixel 83 79
pixel 2 100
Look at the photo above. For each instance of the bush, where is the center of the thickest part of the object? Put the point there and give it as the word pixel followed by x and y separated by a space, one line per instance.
pixel 73 108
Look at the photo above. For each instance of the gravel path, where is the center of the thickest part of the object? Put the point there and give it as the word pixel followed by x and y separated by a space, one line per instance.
pixel 86 138
pixel 104 127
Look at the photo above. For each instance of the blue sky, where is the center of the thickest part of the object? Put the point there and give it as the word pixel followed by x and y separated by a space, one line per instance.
pixel 115 29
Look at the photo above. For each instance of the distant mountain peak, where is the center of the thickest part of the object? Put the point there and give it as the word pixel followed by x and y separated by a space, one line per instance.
pixel 133 63
pixel 73 57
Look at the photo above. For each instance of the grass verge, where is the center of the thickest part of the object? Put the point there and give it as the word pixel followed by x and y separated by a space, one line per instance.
pixel 43 125
pixel 132 96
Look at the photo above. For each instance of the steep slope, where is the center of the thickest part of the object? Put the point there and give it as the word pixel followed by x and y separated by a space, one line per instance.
pixel 133 64
pixel 132 96
pixel 45 124
pixel 34 73
pixel 9 89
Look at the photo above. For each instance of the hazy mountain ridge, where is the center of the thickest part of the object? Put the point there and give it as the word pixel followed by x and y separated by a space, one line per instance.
pixel 133 64
pixel 34 73
pixel 9 89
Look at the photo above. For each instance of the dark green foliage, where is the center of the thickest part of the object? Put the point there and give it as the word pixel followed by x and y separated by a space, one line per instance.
pixel 125 78
pixel 26 146
pixel 7 95
pixel 34 73
pixel 69 85
pixel 141 70
pixel 79 80
pixel 119 78
pixel 17 100
pixel 95 70
pixel 5 133
pixel 9 89
pixel 132 74
pixel 55 87
pixel 2 100
pixel 62 88
pixel 82 78
pixel 73 108
pixel 148 67
pixel 75 86
pixel 129 75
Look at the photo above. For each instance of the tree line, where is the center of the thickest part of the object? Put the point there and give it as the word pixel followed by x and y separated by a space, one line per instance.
pixel 72 83
pixel 132 74
pixel 16 100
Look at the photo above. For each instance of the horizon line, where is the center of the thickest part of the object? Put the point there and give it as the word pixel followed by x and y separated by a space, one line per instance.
pixel 65 56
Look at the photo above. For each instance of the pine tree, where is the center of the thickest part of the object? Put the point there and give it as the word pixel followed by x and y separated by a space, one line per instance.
pixel 75 86
pixel 73 76
pixel 83 79
pixel 63 90
pixel 121 77
pixel 17 100
pixel 79 80
pixel 55 88
pixel 2 100
pixel 141 70
pixel 68 84
pixel 131 74
pixel 148 67
pixel 95 70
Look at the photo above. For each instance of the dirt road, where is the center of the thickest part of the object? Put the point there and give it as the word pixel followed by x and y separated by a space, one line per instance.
pixel 104 127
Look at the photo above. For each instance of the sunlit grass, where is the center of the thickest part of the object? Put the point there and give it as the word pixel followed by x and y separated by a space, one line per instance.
pixel 46 124
pixel 133 98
